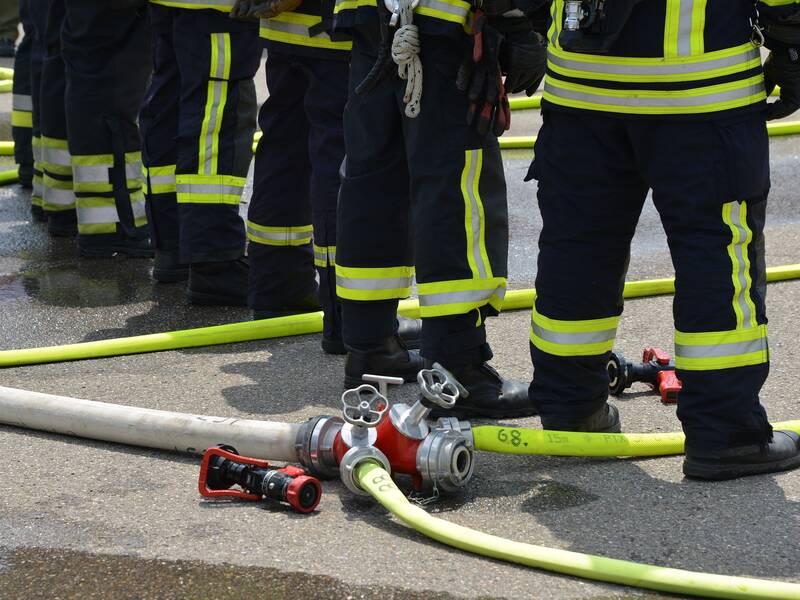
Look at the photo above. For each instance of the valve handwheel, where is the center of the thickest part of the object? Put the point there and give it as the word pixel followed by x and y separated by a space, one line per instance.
pixel 364 406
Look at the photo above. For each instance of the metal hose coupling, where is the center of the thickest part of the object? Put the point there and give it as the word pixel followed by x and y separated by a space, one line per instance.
pixel 315 445
pixel 445 458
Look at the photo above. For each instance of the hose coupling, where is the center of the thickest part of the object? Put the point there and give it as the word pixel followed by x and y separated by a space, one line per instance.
pixel 354 457
pixel 315 445
pixel 445 460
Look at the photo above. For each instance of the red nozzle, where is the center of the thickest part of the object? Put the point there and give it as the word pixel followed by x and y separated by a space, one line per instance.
pixel 303 493
pixel 669 385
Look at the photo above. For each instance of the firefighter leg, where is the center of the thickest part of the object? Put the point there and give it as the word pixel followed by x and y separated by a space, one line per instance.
pixel 279 225
pixel 374 260
pixel 99 44
pixel 58 197
pixel 590 197
pixel 21 103
pixel 158 128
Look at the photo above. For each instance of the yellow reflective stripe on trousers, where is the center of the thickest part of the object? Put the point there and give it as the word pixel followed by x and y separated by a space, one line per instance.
pixel 161 180
pixel 292 28
pixel 221 5
pixel 38 188
pixel 209 189
pixel 279 236
pixel 734 215
pixel 57 194
pixel 442 298
pixel 684 27
pixel 721 349
pixel 573 338
pixel 656 102
pixel 21 107
pixel 91 173
pixel 55 156
pixel 373 283
pixel 102 210
pixel 324 256
pixel 216 98
pixel 454 11
pixel 474 217
pixel 655 70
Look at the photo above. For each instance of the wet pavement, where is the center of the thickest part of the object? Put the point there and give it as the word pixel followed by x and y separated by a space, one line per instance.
pixel 86 519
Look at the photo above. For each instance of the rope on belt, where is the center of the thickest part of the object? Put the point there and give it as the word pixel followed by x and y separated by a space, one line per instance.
pixel 405 52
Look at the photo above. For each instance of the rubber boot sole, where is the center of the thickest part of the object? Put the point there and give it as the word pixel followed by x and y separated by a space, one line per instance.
pixel 112 251
pixel 710 471
pixel 170 275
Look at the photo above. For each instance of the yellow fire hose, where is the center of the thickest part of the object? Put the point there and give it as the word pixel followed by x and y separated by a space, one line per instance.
pixel 248 331
pixel 378 483
pixel 9 176
pixel 524 441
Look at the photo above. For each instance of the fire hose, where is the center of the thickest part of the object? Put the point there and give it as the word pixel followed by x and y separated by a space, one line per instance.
pixel 368 447
pixel 301 324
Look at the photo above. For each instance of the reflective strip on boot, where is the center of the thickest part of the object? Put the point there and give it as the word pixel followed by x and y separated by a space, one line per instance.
pixel 279 236
pixel 324 256
pixel 460 296
pixel 721 349
pixel 573 338
pixel 374 283
pixel 209 189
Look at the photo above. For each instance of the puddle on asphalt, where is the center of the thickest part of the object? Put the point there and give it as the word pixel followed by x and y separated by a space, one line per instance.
pixel 33 573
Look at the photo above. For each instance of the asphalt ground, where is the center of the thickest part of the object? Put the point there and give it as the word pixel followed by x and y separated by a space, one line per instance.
pixel 86 519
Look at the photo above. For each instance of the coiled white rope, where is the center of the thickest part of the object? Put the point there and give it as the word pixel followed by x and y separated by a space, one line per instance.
pixel 405 53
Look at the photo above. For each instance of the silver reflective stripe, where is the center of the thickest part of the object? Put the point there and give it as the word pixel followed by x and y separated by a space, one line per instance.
pixel 90 174
pixel 37 151
pixel 58 197
pixel 210 189
pixel 571 339
pixel 97 215
pixel 471 183
pixel 56 156
pixel 219 68
pixel 37 188
pixel 459 297
pixel 331 255
pixel 320 254
pixel 138 207
pixel 685 27
pixel 390 283
pixel 458 11
pixel 21 102
pixel 162 180
pixel 133 171
pixel 654 70
pixel 739 248
pixel 211 131
pixel 668 101
pixel 734 349
pixel 283 26
pixel 279 236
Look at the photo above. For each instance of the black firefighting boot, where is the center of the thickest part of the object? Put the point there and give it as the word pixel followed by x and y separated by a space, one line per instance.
pixel 389 357
pixel 305 304
pixel 110 245
pixel 218 283
pixel 489 396
pixel 781 453
pixel 603 420
pixel 168 268
pixel 62 223
pixel 408 330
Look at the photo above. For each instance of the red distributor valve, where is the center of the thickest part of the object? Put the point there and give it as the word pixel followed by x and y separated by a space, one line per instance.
pixel 222 468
